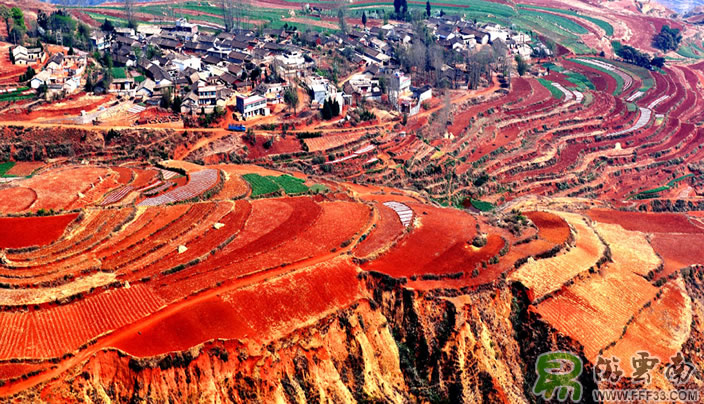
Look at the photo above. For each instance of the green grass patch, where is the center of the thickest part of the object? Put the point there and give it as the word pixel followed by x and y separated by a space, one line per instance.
pixel 119 73
pixel 261 185
pixel 482 206
pixel 5 167
pixel 653 193
pixel 553 90
pixel 291 185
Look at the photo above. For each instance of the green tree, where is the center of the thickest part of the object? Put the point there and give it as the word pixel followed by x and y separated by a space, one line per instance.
pixel 364 18
pixel 5 14
pixel 658 62
pixel 427 8
pixel 522 66
pixel 291 98
pixel 341 18
pixel 27 75
pixel 176 104
pixel 107 26
pixel 18 17
pixel 397 6
pixel 667 39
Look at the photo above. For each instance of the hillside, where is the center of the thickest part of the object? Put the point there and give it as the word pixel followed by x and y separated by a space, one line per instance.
pixel 283 297
pixel 393 212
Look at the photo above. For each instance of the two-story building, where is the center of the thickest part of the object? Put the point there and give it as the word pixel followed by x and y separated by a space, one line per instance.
pixel 253 105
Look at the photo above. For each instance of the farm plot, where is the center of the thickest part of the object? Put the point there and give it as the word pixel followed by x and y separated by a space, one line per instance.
pixel 646 222
pixel 331 141
pixel 271 223
pixel 334 228
pixel 16 199
pixel 60 188
pixel 678 251
pixel 625 77
pixel 17 232
pixel 661 329
pixel 199 182
pixel 440 244
pixel 117 195
pixel 291 185
pixel 24 168
pixel 388 229
pixel 629 249
pixel 31 296
pixel 261 185
pixel 616 83
pixel 261 311
pixel 235 186
pixel 151 247
pixel 544 276
pixel 594 311
pixel 551 227
pixel 207 239
pixel 52 332
pixel 405 214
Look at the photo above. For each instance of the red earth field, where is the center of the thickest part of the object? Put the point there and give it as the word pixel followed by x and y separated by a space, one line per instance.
pixel 18 232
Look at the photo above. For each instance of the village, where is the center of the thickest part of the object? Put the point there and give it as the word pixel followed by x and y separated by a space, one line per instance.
pixel 199 77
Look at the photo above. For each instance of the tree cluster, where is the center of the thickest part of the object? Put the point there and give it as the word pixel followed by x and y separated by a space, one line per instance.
pixel 636 57
pixel 331 108
pixel 522 65
pixel 14 20
pixel 291 98
pixel 60 24
pixel 401 8
pixel 26 76
pixel 668 39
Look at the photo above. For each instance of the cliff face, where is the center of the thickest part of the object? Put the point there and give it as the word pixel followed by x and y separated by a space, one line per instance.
pixel 400 345
pixel 346 357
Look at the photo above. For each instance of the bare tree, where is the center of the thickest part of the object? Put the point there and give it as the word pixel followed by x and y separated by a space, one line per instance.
pixel 228 16
pixel 436 59
pixel 418 56
pixel 129 13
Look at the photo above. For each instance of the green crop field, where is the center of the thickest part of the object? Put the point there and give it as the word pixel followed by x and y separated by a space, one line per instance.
pixel 547 22
pixel 291 185
pixel 482 205
pixel 619 80
pixel 261 185
pixel 579 80
pixel 5 167
pixel 562 22
pixel 553 90
pixel 608 28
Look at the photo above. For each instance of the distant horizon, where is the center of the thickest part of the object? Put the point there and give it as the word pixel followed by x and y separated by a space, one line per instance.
pixel 681 7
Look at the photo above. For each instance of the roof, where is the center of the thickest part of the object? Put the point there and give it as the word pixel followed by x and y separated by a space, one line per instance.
pixel 211 60
pixel 228 78
pixel 318 88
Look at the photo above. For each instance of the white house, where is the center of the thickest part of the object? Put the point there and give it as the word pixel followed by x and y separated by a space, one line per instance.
pixel 181 62
pixel 39 79
pixel 252 105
